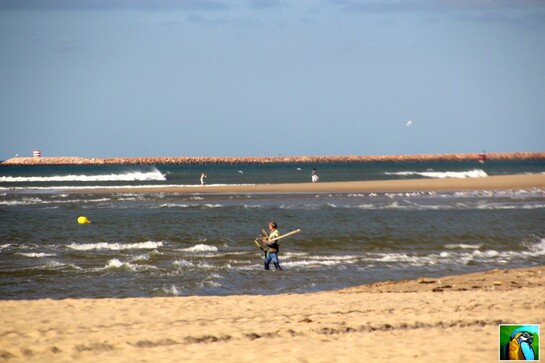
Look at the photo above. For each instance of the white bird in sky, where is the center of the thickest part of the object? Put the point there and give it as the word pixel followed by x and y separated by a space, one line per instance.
pixel 409 123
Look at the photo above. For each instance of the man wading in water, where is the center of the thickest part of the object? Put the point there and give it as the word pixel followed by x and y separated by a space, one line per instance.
pixel 271 247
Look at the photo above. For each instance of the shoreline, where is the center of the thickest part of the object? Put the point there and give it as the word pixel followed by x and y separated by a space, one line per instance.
pixel 497 182
pixel 419 319
pixel 188 160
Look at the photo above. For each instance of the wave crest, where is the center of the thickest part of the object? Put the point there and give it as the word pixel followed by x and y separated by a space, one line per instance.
pixel 201 248
pixel 115 246
pixel 153 175
pixel 475 173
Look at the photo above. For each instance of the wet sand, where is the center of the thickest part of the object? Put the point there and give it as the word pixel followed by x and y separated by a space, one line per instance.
pixel 449 319
pixel 521 181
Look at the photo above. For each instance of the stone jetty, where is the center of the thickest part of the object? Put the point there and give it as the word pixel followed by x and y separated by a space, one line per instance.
pixel 187 160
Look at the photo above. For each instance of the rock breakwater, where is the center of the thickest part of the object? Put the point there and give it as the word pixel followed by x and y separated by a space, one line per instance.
pixel 183 160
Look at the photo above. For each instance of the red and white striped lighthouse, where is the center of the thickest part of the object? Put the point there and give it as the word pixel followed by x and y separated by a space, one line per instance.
pixel 37 153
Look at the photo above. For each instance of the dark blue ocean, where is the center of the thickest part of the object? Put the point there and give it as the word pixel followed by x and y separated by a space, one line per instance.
pixel 167 244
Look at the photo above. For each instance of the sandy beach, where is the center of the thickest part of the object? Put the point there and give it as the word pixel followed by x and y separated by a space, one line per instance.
pixel 522 181
pixel 450 319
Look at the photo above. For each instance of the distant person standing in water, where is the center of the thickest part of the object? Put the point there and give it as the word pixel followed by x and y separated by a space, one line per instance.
pixel 271 247
pixel 314 176
pixel 203 179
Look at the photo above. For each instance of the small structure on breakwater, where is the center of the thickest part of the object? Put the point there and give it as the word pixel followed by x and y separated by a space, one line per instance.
pixel 482 157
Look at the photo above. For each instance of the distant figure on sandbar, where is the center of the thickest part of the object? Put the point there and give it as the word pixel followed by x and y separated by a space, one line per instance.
pixel 314 176
pixel 203 179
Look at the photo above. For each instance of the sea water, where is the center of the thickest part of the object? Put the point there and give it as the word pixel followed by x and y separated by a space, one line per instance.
pixel 169 244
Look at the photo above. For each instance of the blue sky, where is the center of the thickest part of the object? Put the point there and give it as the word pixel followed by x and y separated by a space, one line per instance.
pixel 128 78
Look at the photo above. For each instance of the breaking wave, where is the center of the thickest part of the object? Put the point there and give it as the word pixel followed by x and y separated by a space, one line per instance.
pixel 201 248
pixel 154 175
pixel 35 254
pixel 115 246
pixel 116 264
pixel 475 173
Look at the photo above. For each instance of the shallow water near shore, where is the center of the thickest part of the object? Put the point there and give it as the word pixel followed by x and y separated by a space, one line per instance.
pixel 168 244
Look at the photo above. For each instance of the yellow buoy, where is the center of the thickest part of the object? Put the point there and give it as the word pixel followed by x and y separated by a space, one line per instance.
pixel 83 220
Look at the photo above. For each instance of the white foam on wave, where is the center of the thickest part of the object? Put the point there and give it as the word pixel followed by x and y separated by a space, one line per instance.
pixel 114 187
pixel 201 248
pixel 98 200
pixel 24 201
pixel 210 205
pixel 316 262
pixel 173 205
pixel 183 263
pixel 462 246
pixel 468 204
pixel 307 207
pixel 210 283
pixel 144 257
pixel 509 207
pixel 185 205
pixel 35 254
pixel 154 175
pixel 402 257
pixel 475 173
pixel 294 254
pixel 192 264
pixel 116 264
pixel 337 258
pixel 171 290
pixel 367 206
pixel 56 265
pixel 460 253
pixel 537 247
pixel 39 201
pixel 115 246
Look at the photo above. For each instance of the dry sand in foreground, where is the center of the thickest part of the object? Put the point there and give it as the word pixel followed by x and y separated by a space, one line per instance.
pixel 451 319
pixel 520 181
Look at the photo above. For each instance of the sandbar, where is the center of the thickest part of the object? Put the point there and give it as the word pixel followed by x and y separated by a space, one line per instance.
pixel 448 319
pixel 499 182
